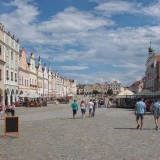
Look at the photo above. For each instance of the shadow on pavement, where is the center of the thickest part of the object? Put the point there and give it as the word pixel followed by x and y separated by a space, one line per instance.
pixel 8 136
pixel 126 128
pixel 137 129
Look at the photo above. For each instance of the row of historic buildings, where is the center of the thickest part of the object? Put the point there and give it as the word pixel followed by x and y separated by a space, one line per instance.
pixel 103 88
pixel 18 76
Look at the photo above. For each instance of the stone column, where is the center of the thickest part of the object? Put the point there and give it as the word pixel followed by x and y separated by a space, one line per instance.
pixel 9 99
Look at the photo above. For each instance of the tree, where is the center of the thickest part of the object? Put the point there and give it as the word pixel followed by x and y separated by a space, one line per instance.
pixel 110 92
pixel 95 92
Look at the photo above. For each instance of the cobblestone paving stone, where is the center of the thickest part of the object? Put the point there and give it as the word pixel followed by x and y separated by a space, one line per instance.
pixel 50 133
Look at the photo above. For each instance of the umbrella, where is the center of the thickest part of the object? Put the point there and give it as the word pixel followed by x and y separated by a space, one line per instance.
pixel 70 95
pixel 125 93
pixel 29 95
pixel 145 92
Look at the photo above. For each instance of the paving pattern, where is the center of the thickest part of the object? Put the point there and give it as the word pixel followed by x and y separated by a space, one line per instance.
pixel 50 133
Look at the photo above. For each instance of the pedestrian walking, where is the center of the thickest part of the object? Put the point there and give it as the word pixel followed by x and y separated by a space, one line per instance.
pixel 140 110
pixel 8 109
pixel 90 106
pixel 155 107
pixel 12 109
pixel 94 107
pixel 106 102
pixel 2 113
pixel 83 108
pixel 74 106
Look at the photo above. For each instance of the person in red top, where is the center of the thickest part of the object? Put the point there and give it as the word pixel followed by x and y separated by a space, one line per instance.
pixel 12 109
pixel 1 111
pixel 147 102
pixel 8 109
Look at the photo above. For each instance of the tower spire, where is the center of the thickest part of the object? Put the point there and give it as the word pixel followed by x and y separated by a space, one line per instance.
pixel 150 50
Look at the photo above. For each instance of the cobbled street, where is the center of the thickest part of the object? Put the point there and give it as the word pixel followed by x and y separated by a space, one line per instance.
pixel 50 133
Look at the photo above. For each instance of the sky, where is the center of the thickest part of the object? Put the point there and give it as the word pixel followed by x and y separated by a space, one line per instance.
pixel 87 40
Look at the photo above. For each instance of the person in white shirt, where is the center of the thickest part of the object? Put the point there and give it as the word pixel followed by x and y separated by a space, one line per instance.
pixel 90 106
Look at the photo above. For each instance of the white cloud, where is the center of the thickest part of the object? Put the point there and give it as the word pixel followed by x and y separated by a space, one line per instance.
pixel 73 20
pixel 118 7
pixel 152 10
pixel 72 68
pixel 129 66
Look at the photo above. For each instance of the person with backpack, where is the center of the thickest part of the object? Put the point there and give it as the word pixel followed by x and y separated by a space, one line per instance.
pixel 155 107
pixel 74 106
pixel 94 107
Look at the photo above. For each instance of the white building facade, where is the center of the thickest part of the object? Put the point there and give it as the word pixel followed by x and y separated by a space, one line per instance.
pixel 11 49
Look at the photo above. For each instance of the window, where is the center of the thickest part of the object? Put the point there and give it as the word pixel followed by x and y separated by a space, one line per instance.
pixel 7 52
pixel 7 75
pixel 0 74
pixel 11 55
pixel 11 76
pixel 15 77
pixel 22 80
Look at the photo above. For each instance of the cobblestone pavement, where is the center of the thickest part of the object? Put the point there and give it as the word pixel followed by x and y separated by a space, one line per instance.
pixel 50 133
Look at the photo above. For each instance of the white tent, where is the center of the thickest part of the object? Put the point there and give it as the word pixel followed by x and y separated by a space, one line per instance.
pixel 70 95
pixel 29 95
pixel 125 93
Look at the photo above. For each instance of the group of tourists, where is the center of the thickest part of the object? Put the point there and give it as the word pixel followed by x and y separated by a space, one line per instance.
pixel 9 110
pixel 91 105
pixel 140 111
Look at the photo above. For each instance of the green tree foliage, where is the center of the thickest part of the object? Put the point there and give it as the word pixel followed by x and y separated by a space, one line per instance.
pixel 110 92
pixel 95 92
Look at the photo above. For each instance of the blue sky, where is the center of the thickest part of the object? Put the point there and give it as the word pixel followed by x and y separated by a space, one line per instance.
pixel 87 40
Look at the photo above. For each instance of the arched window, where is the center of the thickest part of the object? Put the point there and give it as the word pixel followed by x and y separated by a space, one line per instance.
pixel 15 77
pixel 11 55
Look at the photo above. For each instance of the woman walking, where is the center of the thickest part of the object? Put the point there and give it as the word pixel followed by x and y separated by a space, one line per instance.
pixel 83 108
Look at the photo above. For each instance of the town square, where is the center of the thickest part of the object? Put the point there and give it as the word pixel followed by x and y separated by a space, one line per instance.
pixel 51 133
pixel 79 79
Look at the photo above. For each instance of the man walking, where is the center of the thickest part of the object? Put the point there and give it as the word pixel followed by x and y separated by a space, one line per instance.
pixel 155 107
pixel 74 108
pixel 140 110
pixel 90 106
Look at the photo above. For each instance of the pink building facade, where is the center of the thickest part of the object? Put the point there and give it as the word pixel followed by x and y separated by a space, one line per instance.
pixel 24 81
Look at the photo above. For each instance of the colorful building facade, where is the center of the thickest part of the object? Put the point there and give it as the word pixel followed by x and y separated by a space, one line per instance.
pixel 24 79
pixel 2 63
pixel 40 77
pixel 11 58
pixel 45 81
pixel 32 74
